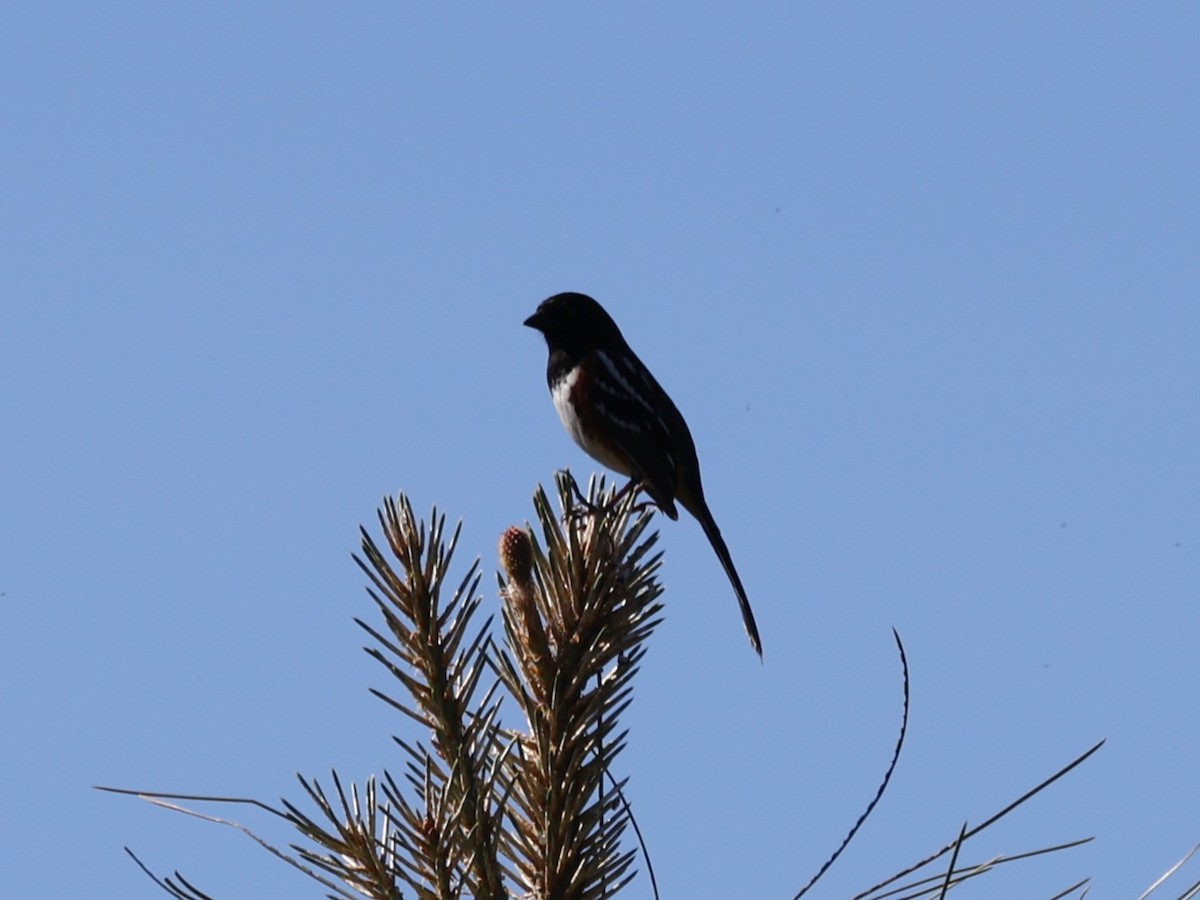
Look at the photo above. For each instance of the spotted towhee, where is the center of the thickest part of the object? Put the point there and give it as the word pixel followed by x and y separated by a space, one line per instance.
pixel 615 410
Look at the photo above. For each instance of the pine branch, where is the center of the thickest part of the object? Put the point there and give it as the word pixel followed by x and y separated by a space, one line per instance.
pixel 488 809
pixel 575 619
pixel 457 839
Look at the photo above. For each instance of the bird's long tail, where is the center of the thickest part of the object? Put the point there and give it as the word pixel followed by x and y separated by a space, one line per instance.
pixel 713 533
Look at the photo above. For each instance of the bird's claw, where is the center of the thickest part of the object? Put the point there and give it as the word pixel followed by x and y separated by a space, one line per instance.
pixel 582 506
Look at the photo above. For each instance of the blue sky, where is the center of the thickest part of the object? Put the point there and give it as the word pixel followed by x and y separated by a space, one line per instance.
pixel 925 282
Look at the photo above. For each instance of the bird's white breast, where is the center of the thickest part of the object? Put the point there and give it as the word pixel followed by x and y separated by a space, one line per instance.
pixel 561 391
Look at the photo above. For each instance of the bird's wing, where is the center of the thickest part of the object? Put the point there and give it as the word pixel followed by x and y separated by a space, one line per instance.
pixel 633 403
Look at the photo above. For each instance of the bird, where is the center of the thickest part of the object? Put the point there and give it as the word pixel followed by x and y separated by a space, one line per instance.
pixel 616 411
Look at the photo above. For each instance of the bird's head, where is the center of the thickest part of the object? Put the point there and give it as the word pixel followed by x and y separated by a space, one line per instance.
pixel 575 323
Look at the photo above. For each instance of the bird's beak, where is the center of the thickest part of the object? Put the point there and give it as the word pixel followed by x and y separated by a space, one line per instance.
pixel 534 321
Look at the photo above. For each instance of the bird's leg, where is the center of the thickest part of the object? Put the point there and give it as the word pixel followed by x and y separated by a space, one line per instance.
pixel 633 486
pixel 638 508
pixel 581 506
pixel 586 507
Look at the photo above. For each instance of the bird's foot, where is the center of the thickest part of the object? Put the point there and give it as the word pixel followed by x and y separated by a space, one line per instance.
pixel 582 506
